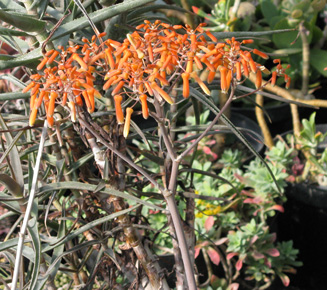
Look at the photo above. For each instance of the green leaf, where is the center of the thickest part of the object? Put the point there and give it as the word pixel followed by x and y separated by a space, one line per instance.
pixel 12 32
pixel 286 51
pixel 11 5
pixel 87 227
pixel 13 205
pixel 213 108
pixel 14 188
pixel 56 262
pixel 34 234
pixel 12 244
pixel 30 58
pixel 269 10
pixel 58 251
pixel 14 96
pixel 13 155
pixel 137 12
pixel 98 16
pixel 317 57
pixel 9 244
pixel 22 21
pixel 224 35
pixel 92 187
pixel 10 148
pixel 286 40
pixel 12 79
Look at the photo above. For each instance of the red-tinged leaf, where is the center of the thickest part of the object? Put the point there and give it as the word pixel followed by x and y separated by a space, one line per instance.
pixel 231 255
pixel 272 237
pixel 239 264
pixel 248 200
pixel 209 223
pixel 285 279
pixel 277 207
pixel 196 252
pixel 214 256
pixel 195 9
pixel 256 200
pixel 254 239
pixel 257 255
pixel 267 263
pixel 233 286
pixel 221 241
pixel 273 252
pixel 239 177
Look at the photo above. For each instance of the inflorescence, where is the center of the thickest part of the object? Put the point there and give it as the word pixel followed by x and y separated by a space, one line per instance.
pixel 140 68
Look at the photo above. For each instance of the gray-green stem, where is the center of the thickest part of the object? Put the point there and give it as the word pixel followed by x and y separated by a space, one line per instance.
pixel 305 59
pixel 23 229
pixel 204 133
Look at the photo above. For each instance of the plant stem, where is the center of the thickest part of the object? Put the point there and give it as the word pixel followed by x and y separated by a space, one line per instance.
pixel 27 213
pixel 219 147
pixel 262 122
pixel 305 59
pixel 287 95
pixel 189 17
pixel 171 203
pixel 133 239
pixel 215 120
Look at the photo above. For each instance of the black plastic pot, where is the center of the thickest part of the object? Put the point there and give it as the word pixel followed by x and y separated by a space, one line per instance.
pixel 251 132
pixel 304 221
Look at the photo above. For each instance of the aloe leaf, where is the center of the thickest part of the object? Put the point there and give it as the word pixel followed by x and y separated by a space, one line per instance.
pixel 11 5
pixel 10 148
pixel 87 227
pixel 22 21
pixel 15 42
pixel 12 204
pixel 30 58
pixel 81 161
pixel 78 247
pixel 140 132
pixel 58 251
pixel 14 188
pixel 8 244
pixel 13 96
pixel 13 155
pixel 13 80
pixel 139 11
pixel 12 32
pixel 12 243
pixel 98 16
pixel 91 187
pixel 34 234
pixel 153 158
pixel 224 35
pixel 286 51
pixel 275 97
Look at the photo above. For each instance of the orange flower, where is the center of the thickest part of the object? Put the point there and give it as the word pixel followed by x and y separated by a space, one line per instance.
pixel 145 109
pixel 119 111
pixel 129 112
pixel 186 84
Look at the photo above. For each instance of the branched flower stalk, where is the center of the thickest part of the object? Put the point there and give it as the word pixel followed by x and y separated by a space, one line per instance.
pixel 133 238
pixel 142 70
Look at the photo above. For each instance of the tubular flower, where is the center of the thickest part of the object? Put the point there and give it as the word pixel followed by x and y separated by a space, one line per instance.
pixel 68 82
pixel 281 72
pixel 139 68
pixel 129 112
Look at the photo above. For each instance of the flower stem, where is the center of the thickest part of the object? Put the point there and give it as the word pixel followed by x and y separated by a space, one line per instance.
pixel 262 122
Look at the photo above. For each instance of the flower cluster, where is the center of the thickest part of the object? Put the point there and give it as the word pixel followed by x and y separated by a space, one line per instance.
pixel 68 79
pixel 151 58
